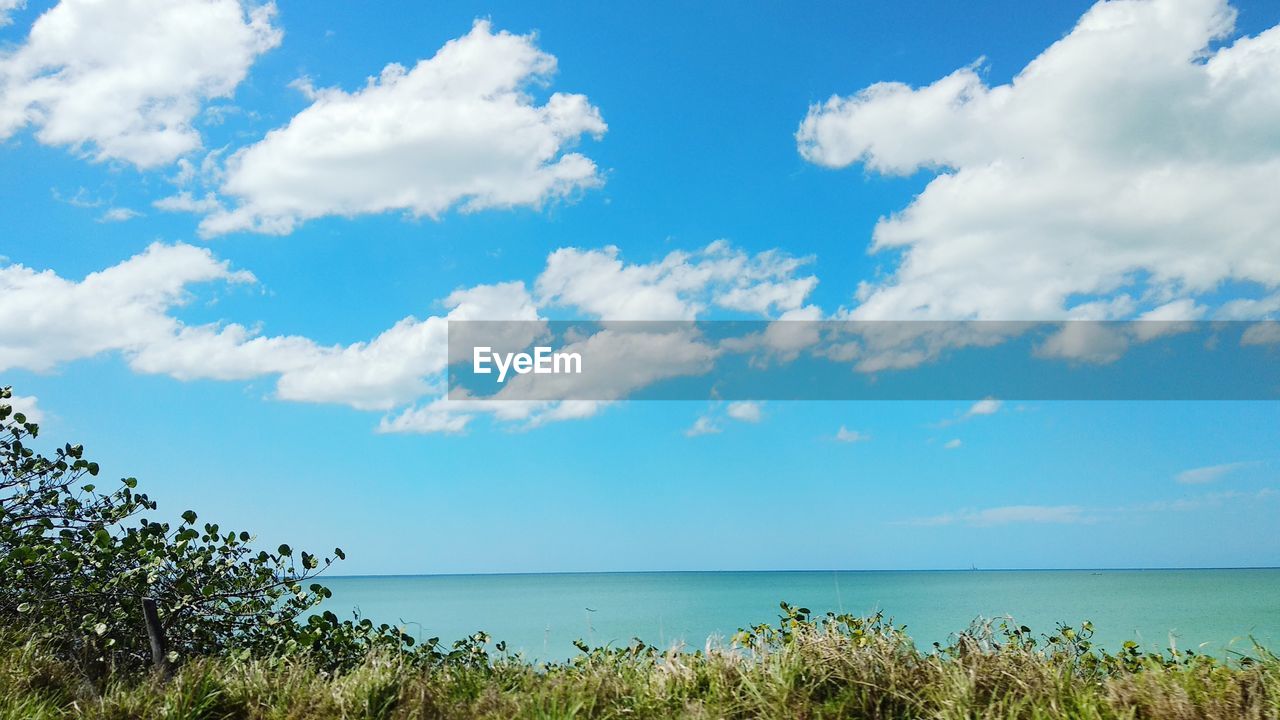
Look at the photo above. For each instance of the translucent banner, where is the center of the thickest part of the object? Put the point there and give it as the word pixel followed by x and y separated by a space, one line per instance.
pixel 848 360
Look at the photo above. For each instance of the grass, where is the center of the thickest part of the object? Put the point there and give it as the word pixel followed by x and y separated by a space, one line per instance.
pixel 834 667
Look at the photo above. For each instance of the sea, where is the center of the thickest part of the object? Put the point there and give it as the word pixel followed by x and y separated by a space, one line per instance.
pixel 1219 612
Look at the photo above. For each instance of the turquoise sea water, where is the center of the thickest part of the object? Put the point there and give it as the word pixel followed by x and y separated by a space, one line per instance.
pixel 1215 610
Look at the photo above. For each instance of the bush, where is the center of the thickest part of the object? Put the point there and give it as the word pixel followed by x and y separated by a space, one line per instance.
pixel 76 561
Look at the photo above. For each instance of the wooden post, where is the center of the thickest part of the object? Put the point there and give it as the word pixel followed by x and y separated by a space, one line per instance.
pixel 155 633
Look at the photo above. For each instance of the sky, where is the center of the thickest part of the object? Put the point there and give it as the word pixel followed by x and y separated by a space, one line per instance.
pixel 233 235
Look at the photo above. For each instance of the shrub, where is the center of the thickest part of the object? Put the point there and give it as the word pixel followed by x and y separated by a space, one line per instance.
pixel 76 561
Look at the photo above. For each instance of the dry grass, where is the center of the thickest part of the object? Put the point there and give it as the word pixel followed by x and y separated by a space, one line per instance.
pixel 838 667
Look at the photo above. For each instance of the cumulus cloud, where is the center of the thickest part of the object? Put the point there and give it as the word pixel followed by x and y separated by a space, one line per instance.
pixel 623 358
pixel 1085 341
pixel 46 320
pixel 125 80
pixel 404 362
pixel 400 365
pixel 680 286
pixel 1129 166
pixel 460 129
pixel 874 346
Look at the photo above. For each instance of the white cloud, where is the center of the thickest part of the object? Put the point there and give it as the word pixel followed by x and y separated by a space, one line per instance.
pixel 783 340
pixel 124 80
pixel 118 214
pixel 704 425
pixel 1010 515
pixel 623 358
pixel 453 416
pixel 742 411
pixel 1131 165
pixel 986 406
pixel 185 201
pixel 46 320
pixel 28 405
pixel 1211 473
pixel 877 346
pixel 846 435
pixel 601 284
pixel 561 411
pixel 404 362
pixel 745 411
pixel 435 417
pixel 397 367
pixel 1085 341
pixel 952 444
pixel 218 352
pixel 8 6
pixel 680 286
pixel 460 129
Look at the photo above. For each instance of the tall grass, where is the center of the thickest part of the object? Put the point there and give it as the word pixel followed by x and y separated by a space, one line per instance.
pixel 799 668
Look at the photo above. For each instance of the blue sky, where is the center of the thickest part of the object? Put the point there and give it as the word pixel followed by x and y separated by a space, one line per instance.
pixel 249 366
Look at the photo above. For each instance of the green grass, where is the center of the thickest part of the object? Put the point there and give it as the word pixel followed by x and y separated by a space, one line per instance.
pixel 836 667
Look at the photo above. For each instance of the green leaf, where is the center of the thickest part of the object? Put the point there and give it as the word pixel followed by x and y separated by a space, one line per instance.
pixel 189 516
pixel 284 550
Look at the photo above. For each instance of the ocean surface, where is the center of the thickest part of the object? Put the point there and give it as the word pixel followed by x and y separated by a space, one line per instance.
pixel 1215 611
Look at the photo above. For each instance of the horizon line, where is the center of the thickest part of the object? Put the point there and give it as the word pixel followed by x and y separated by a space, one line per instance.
pixel 828 570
